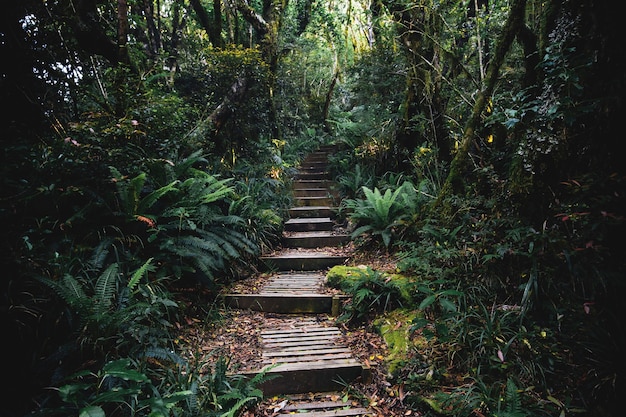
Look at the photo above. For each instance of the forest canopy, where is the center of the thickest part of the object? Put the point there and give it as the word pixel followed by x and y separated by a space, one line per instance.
pixel 148 146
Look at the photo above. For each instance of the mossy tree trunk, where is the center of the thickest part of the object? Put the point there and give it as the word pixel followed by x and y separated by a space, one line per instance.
pixel 456 181
pixel 417 26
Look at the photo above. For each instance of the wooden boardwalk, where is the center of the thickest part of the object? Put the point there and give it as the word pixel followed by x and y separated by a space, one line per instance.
pixel 305 351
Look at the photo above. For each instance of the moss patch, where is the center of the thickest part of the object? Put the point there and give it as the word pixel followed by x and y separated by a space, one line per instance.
pixel 394 328
pixel 344 277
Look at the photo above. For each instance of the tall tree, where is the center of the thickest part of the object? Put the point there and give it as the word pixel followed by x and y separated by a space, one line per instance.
pixel 455 181
pixel 267 25
pixel 418 26
pixel 213 27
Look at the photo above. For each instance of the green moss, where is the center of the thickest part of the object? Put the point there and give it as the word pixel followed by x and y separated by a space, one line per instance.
pixel 394 328
pixel 344 277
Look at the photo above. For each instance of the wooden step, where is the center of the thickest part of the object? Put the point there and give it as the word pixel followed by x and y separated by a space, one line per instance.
pixel 313 175
pixel 302 261
pixel 281 303
pixel 307 358
pixel 315 239
pixel 288 292
pixel 316 156
pixel 299 184
pixel 321 407
pixel 306 282
pixel 302 224
pixel 312 211
pixel 311 192
pixel 319 163
pixel 313 201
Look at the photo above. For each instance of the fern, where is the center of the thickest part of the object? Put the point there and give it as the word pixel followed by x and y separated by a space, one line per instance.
pixel 513 406
pixel 70 290
pixel 144 204
pixel 164 354
pixel 371 291
pixel 378 214
pixel 134 280
pixel 105 290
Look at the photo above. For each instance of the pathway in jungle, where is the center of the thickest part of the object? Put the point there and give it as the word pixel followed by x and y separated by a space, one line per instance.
pixel 304 346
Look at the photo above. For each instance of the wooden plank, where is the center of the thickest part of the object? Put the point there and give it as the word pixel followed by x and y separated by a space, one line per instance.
pixel 298 348
pixel 308 358
pixel 294 283
pixel 302 338
pixel 297 332
pixel 340 413
pixel 330 365
pixel 315 405
pixel 300 329
pixel 307 352
pixel 300 341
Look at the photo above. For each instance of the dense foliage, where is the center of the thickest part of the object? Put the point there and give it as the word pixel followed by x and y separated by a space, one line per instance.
pixel 148 146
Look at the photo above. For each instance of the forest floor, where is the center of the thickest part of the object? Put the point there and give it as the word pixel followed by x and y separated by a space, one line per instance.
pixel 212 332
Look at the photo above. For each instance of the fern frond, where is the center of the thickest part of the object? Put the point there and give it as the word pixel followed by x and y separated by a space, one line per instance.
pixel 234 410
pixel 105 289
pixel 361 231
pixel 513 401
pixel 148 201
pixel 133 192
pixel 69 289
pixel 210 245
pixel 185 165
pixel 164 354
pixel 101 252
pixel 134 280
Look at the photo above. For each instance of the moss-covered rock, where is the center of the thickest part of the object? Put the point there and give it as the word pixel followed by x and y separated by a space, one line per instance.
pixel 343 277
pixel 346 278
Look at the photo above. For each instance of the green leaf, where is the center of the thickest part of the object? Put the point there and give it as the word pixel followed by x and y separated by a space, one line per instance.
pixel 119 369
pixel 447 304
pixel 426 302
pixel 92 411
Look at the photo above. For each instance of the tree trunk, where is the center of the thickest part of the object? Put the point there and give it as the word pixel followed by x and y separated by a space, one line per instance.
pixel 213 30
pixel 89 34
pixel 178 22
pixel 267 27
pixel 329 96
pixel 459 168
pixel 121 80
pixel 226 109
pixel 416 30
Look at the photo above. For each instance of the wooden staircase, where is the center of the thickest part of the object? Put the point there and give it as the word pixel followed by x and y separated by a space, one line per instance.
pixel 304 348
